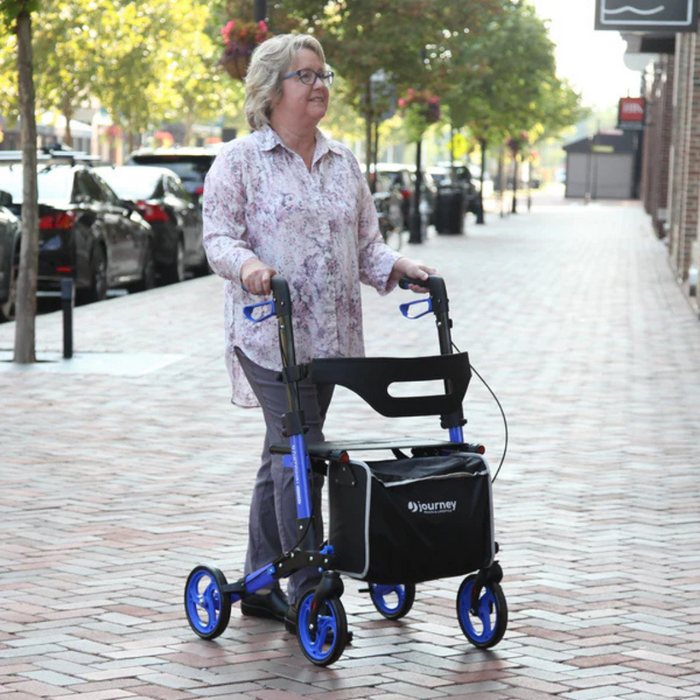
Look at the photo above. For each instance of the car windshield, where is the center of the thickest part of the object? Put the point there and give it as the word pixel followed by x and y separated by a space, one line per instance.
pixel 55 184
pixel 189 168
pixel 131 183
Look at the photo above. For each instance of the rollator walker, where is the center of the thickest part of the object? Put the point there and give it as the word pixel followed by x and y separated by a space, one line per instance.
pixel 422 513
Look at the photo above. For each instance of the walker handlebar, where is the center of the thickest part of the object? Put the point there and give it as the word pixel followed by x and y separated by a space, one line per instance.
pixel 436 287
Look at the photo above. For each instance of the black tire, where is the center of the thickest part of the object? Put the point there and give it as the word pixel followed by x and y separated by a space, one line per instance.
pixel 97 291
pixel 8 308
pixel 393 608
pixel 325 644
pixel 487 628
pixel 207 607
pixel 148 271
pixel 175 270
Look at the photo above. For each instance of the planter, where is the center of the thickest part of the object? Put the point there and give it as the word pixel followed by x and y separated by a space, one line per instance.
pixel 236 66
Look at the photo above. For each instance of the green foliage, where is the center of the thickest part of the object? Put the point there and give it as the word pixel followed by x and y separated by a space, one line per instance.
pixel 11 9
pixel 504 81
pixel 490 61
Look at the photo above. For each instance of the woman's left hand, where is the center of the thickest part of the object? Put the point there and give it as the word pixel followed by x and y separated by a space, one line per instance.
pixel 404 267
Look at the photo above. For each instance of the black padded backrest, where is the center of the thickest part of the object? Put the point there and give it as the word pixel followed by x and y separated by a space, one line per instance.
pixel 370 378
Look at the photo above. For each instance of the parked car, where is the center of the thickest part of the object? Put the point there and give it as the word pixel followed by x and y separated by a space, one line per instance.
pixel 85 232
pixel 191 165
pixel 162 200
pixel 463 175
pixel 440 174
pixel 9 256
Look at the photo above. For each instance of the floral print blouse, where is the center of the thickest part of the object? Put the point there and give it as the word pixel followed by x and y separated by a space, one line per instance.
pixel 317 228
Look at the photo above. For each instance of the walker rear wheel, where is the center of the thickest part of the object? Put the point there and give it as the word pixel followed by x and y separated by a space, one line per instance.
pixel 393 601
pixel 487 627
pixel 207 607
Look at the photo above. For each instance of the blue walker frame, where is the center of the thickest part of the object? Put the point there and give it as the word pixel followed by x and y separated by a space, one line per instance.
pixel 322 626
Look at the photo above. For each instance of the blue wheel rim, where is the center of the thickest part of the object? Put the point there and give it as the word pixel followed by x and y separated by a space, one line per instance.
pixel 380 592
pixel 203 602
pixel 480 627
pixel 319 645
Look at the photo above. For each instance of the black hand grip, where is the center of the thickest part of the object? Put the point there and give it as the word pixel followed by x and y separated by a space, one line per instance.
pixel 405 281
pixel 280 293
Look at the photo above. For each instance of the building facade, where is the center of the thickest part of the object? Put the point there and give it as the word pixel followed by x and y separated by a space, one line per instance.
pixel 671 163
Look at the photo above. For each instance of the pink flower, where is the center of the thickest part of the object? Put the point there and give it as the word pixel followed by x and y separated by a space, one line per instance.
pixel 226 30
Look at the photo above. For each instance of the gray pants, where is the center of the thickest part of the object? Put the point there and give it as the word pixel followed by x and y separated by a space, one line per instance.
pixel 272 526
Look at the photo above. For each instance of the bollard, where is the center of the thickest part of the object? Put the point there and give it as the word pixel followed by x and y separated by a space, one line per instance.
pixel 67 300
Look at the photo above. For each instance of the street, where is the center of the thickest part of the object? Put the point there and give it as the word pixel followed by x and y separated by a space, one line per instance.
pixel 123 468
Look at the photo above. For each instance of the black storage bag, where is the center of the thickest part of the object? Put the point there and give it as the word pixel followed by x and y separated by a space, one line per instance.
pixel 411 520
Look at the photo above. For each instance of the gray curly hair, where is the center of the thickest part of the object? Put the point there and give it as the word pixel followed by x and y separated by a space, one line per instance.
pixel 263 81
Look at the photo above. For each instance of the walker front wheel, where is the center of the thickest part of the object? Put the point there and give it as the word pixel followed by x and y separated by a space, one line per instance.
pixel 324 641
pixel 207 607
pixel 487 627
pixel 393 601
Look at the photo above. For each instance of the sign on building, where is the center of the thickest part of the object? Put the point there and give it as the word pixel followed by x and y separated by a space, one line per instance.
pixel 647 15
pixel 630 113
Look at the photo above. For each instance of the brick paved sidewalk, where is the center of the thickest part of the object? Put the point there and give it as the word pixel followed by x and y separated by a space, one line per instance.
pixel 123 469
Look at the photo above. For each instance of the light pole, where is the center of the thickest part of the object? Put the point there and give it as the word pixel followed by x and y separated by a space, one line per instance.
pixel 260 11
pixel 416 232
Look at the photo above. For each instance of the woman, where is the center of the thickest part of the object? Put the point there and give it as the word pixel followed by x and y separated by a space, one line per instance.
pixel 286 200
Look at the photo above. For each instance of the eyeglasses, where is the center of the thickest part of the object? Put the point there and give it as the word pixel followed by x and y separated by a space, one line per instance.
pixel 308 76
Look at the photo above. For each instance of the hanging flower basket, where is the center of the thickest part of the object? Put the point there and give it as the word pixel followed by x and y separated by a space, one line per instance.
pixel 516 143
pixel 420 109
pixel 235 66
pixel 240 40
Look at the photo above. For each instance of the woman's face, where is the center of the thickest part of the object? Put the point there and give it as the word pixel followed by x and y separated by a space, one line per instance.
pixel 302 106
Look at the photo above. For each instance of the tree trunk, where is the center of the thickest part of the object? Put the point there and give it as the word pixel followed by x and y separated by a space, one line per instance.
pixel 189 121
pixel 25 329
pixel 502 180
pixel 514 203
pixel 483 143
pixel 67 115
pixel 375 153
pixel 368 131
pixel 416 231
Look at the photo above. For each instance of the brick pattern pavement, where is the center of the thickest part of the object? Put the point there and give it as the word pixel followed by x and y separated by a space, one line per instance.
pixel 112 486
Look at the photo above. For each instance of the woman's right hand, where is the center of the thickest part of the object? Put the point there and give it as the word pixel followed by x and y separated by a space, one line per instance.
pixel 256 276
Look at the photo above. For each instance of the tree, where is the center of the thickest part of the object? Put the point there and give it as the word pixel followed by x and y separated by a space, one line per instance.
pixel 190 80
pixel 133 61
pixel 17 14
pixel 503 81
pixel 67 46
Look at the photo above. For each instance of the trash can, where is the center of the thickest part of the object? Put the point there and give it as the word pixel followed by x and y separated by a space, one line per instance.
pixel 449 214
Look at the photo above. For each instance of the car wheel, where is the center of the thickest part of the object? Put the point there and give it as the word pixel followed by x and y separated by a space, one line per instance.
pixel 98 276
pixel 8 308
pixel 175 271
pixel 148 271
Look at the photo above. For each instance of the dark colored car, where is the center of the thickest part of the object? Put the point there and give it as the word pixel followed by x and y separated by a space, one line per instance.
pixel 9 255
pixel 463 177
pixel 85 232
pixel 190 164
pixel 162 200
